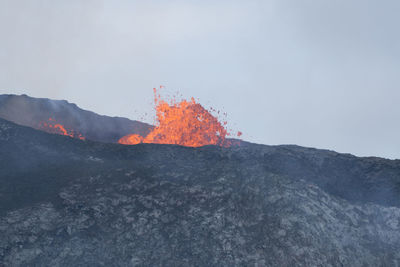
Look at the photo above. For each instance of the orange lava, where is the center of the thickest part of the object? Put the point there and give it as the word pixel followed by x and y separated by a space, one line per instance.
pixel 185 123
pixel 55 128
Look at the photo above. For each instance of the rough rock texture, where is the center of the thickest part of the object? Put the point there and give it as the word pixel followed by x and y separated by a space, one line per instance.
pixel 66 202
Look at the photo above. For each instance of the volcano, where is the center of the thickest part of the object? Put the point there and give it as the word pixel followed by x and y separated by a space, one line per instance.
pixel 71 202
pixel 184 123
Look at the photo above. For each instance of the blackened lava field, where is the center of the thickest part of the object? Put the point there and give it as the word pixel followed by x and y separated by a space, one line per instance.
pixel 68 202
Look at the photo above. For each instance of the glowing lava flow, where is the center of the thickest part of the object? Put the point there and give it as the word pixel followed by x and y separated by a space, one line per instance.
pixel 55 128
pixel 186 123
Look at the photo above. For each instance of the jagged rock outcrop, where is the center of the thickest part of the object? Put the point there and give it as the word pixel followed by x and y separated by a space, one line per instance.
pixel 67 202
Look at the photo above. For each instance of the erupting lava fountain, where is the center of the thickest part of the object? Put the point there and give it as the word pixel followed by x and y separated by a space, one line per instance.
pixel 185 123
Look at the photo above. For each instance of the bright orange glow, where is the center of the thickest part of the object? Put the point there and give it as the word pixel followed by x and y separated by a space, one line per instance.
pixel 185 123
pixel 131 139
pixel 51 126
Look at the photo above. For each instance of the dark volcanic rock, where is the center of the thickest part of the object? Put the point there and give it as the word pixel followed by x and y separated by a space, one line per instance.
pixel 66 202
pixel 29 111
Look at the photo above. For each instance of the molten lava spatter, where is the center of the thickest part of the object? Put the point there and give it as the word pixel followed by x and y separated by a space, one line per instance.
pixel 51 126
pixel 185 123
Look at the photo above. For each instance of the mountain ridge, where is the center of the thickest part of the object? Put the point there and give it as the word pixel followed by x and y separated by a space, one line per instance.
pixel 31 111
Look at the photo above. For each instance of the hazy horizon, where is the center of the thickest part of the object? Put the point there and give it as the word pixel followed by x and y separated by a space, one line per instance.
pixel 318 74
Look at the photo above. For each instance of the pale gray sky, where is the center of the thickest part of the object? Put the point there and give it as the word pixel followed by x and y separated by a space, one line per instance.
pixel 323 73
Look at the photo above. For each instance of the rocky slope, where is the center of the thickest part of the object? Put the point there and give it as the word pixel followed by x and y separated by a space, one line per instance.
pixel 30 111
pixel 67 202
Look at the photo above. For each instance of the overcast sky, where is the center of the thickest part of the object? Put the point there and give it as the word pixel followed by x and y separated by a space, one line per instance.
pixel 318 73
